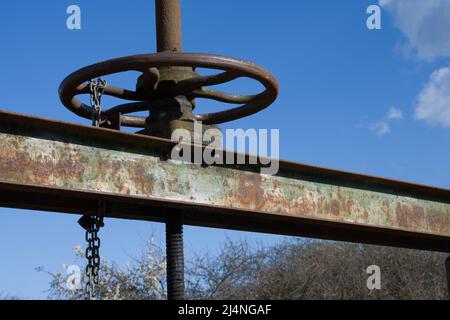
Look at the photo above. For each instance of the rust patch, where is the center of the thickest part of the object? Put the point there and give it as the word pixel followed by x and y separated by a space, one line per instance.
pixel 335 207
pixel 410 217
pixel 438 221
pixel 140 178
pixel 69 168
pixel 250 192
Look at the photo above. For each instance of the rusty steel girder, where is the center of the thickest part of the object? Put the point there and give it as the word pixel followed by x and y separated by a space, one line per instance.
pixel 64 167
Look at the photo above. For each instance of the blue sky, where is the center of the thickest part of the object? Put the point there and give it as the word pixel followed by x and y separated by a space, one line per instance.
pixel 369 101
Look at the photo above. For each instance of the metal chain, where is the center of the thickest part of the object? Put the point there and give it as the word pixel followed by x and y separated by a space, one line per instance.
pixel 92 225
pixel 97 87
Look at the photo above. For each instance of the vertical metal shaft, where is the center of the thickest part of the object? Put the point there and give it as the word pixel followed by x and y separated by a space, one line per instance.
pixel 168 25
pixel 168 29
pixel 447 269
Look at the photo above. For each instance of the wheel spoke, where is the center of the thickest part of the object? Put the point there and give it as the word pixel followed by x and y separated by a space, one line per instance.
pixel 113 92
pixel 222 97
pixel 128 108
pixel 205 81
pixel 133 121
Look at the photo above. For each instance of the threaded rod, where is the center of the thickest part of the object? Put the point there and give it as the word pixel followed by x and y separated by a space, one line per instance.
pixel 175 258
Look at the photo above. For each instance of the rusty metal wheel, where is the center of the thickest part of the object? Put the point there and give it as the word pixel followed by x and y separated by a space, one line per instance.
pixel 191 86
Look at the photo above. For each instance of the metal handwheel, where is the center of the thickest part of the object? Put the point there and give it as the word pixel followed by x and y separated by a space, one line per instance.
pixel 170 74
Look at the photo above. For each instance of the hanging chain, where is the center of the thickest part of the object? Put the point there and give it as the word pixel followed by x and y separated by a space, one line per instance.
pixel 97 87
pixel 92 225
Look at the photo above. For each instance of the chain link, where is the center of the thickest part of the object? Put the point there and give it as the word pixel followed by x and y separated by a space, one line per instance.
pixel 92 224
pixel 97 87
pixel 93 251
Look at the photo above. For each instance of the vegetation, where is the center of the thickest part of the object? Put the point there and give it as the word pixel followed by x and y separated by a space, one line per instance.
pixel 289 270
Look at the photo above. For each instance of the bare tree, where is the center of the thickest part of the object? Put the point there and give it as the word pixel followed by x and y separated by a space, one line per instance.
pixel 142 279
pixel 316 270
pixel 5 296
pixel 299 269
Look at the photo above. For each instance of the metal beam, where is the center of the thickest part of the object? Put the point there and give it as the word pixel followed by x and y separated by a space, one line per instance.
pixel 64 167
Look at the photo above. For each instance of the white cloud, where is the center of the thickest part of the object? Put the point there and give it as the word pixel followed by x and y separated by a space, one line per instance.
pixel 380 128
pixel 395 114
pixel 433 102
pixel 425 24
pixel 384 127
